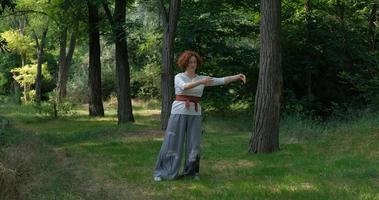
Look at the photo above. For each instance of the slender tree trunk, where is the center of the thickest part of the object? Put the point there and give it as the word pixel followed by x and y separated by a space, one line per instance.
pixel 170 21
pixel 23 56
pixel 26 93
pixel 307 8
pixel 16 91
pixel 94 69
pixel 371 27
pixel 62 60
pixel 40 57
pixel 265 135
pixel 65 62
pixel 17 86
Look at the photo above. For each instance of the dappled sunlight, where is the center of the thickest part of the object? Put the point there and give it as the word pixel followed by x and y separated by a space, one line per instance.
pixel 147 112
pixel 160 139
pixel 223 165
pixel 271 187
pixel 299 187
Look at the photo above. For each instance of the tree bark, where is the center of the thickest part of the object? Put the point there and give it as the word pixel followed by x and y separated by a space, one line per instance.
pixel 124 106
pixel 371 27
pixel 40 57
pixel 65 62
pixel 169 21
pixel 265 135
pixel 94 68
pixel 307 8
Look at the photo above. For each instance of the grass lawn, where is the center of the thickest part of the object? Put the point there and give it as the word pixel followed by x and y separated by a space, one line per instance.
pixel 80 157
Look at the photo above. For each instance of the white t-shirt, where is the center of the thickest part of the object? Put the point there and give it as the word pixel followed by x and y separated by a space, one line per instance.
pixel 178 107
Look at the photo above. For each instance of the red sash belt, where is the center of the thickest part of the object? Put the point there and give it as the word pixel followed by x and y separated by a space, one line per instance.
pixel 188 99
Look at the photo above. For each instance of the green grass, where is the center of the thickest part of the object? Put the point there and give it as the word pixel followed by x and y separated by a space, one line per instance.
pixel 93 158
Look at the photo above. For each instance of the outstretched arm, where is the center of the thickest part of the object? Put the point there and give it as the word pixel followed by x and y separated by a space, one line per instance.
pixel 187 86
pixel 226 80
pixel 229 79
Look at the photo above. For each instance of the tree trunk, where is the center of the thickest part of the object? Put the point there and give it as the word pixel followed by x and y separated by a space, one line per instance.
pixel 26 92
pixel 265 135
pixel 307 8
pixel 16 91
pixel 94 69
pixel 65 62
pixel 23 58
pixel 371 27
pixel 40 56
pixel 170 21
pixel 124 108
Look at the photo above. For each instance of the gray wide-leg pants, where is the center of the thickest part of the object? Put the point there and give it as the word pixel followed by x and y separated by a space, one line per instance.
pixel 181 129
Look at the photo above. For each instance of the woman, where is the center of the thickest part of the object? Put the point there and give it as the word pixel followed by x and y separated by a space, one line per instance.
pixel 184 125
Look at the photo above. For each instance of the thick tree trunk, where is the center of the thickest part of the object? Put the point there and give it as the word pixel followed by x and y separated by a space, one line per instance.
pixel 65 62
pixel 40 56
pixel 124 108
pixel 170 21
pixel 94 69
pixel 265 135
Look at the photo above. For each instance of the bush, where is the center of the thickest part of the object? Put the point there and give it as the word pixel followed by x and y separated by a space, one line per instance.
pixel 145 84
pixel 52 108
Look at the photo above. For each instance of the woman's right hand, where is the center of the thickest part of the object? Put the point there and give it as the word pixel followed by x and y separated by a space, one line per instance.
pixel 206 81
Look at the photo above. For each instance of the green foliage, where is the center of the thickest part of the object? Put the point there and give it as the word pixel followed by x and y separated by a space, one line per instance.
pixel 3 45
pixel 225 35
pixel 3 80
pixel 25 76
pixel 320 48
pixel 145 83
pixel 16 42
pixel 53 109
pixel 329 54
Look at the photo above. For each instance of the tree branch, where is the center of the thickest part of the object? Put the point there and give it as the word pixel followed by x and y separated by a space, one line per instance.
pixel 23 12
pixel 35 38
pixel 108 12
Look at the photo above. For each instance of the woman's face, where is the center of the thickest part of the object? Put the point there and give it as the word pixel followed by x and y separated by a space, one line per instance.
pixel 192 63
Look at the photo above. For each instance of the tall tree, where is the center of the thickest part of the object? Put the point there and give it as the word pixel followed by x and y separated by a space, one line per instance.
pixel 307 57
pixel 94 68
pixel 65 59
pixel 40 45
pixel 373 17
pixel 169 20
pixel 265 135
pixel 68 16
pixel 124 107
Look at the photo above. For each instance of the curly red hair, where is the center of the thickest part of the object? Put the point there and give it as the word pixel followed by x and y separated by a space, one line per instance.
pixel 184 59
